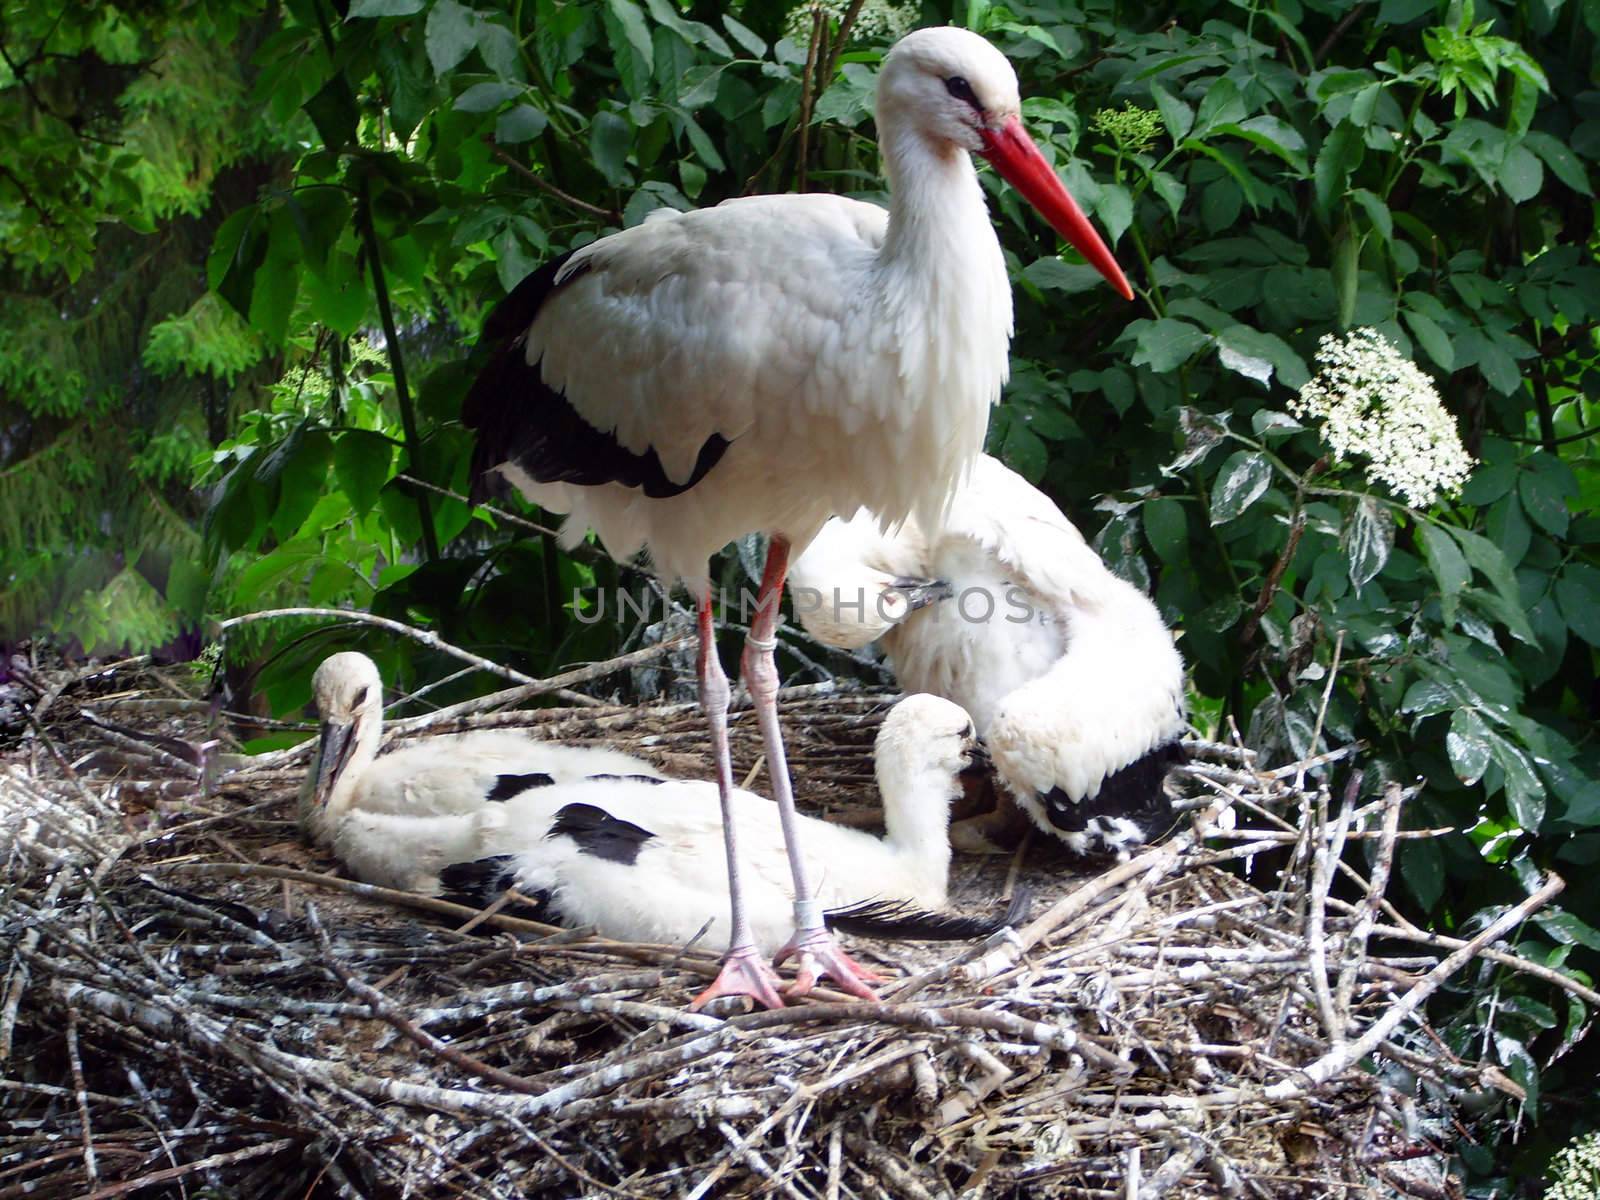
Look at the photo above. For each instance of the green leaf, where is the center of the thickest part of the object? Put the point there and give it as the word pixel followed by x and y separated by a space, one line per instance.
pixel 1169 189
pixel 1361 108
pixel 1257 354
pixel 1166 344
pixel 1368 539
pixel 1521 174
pixel 1568 929
pixel 1448 566
pixel 1272 135
pixel 695 33
pixel 1246 181
pixel 610 139
pixel 361 463
pixel 1341 154
pixel 1347 274
pixel 1563 163
pixel 482 97
pixel 1177 116
pixel 450 34
pixel 1166 526
pixel 333 111
pixel 1578 597
pixel 1486 558
pixel 1221 105
pixel 384 8
pixel 1432 339
pixel 1024 452
pixel 500 51
pixel 631 17
pixel 1115 209
pixel 1062 276
pixel 746 37
pixel 1243 480
pixel 1422 867
pixel 1377 212
pixel 523 123
pixel 1469 746
pixel 1525 794
pixel 1544 487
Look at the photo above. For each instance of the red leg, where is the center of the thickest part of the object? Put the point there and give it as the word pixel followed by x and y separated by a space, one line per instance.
pixel 744 971
pixel 813 947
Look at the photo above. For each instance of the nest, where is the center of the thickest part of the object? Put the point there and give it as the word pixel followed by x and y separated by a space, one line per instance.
pixel 195 998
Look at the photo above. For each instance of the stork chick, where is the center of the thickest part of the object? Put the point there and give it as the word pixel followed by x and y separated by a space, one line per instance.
pixel 396 820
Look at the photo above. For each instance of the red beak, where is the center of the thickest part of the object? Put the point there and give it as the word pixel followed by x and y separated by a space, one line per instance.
pixel 1019 162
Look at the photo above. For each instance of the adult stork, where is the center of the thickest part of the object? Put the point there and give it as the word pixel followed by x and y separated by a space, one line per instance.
pixel 1068 670
pixel 765 364
pixel 396 820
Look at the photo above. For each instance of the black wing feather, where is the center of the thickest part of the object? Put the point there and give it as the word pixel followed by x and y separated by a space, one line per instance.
pixel 520 419
pixel 507 786
pixel 478 884
pixel 1135 792
pixel 906 921
pixel 600 834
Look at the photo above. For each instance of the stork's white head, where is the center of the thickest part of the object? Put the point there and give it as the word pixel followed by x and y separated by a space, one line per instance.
pixel 950 85
pixel 953 92
pixel 349 697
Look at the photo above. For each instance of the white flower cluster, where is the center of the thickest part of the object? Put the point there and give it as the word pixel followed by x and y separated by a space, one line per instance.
pixel 877 18
pixel 1575 1170
pixel 1378 404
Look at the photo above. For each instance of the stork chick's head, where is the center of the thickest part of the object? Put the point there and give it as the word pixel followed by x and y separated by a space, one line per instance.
pixel 955 91
pixel 349 697
pixel 925 743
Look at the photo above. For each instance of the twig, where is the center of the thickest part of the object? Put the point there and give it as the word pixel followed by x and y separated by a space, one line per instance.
pixel 544 185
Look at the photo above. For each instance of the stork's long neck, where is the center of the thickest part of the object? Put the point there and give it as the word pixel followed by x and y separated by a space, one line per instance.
pixel 916 814
pixel 939 226
pixel 941 295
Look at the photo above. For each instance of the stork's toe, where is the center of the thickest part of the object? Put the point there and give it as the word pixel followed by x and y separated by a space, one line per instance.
pixel 817 956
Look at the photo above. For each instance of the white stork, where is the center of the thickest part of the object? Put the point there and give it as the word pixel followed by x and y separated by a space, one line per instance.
pixel 396 820
pixel 1067 669
pixel 766 364
pixel 641 859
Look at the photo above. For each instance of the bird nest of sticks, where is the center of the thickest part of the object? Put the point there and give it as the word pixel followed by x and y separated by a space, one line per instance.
pixel 194 999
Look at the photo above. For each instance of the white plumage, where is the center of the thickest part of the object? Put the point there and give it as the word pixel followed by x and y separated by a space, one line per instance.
pixel 674 883
pixel 396 820
pixel 475 813
pixel 773 361
pixel 1068 670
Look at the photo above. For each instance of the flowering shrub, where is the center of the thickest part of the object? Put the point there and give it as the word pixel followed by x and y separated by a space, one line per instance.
pixel 1374 402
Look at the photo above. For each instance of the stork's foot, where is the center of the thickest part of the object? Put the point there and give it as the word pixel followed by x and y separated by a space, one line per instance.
pixel 818 956
pixel 744 973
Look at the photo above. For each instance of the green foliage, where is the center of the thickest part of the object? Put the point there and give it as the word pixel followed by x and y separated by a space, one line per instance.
pixel 122 124
pixel 1272 172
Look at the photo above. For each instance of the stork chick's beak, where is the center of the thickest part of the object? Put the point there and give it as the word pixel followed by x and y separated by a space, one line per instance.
pixel 978 761
pixel 1019 162
pixel 334 744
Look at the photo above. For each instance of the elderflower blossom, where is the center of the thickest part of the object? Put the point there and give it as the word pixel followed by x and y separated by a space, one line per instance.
pixel 1574 1172
pixel 877 18
pixel 1378 404
pixel 1130 128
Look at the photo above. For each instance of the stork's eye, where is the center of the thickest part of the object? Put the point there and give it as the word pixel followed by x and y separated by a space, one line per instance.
pixel 361 697
pixel 958 87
